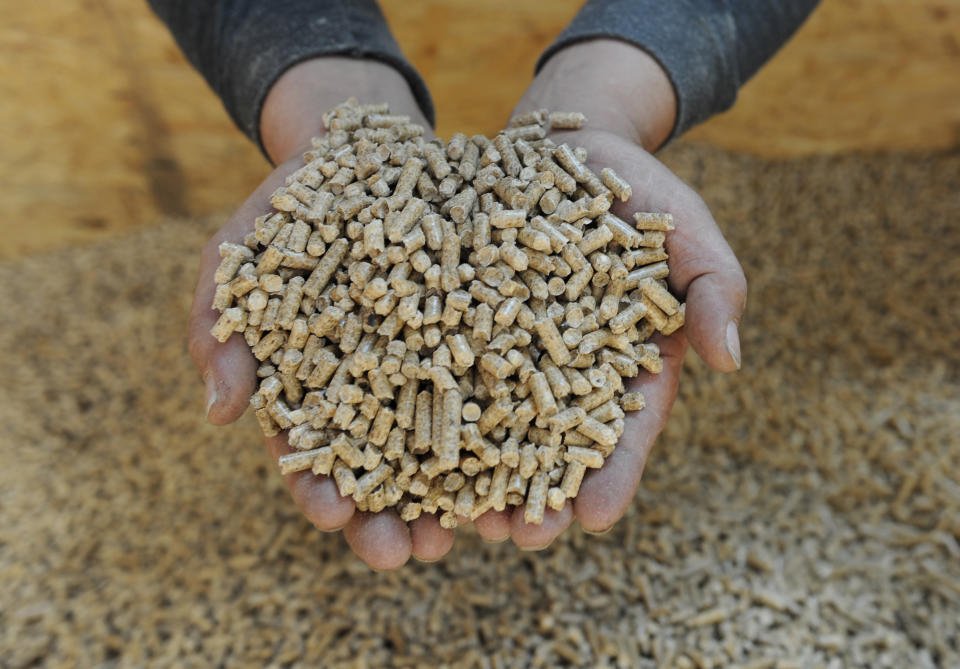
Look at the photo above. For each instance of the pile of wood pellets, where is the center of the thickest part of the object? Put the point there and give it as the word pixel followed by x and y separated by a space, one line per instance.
pixel 445 328
pixel 804 512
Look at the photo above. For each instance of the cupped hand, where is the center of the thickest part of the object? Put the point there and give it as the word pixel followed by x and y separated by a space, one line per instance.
pixel 291 116
pixel 703 269
pixel 629 104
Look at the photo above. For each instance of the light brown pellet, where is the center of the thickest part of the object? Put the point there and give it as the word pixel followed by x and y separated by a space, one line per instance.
pixel 602 434
pixel 556 499
pixel 660 296
pixel 566 120
pixel 536 498
pixel 615 183
pixel 588 456
pixel 508 218
pixel 344 477
pixel 369 481
pixel 676 321
pixel 572 478
pixel 552 342
pixel 629 316
pixel 542 394
pixel 448 441
pixel 423 422
pixel 471 412
pixel 297 461
pixel 652 221
pixel 632 401
pixel 227 324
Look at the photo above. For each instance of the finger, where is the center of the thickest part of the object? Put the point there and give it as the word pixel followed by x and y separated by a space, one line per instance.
pixel 381 540
pixel 317 497
pixel 230 379
pixel 704 269
pixel 493 526
pixel 429 541
pixel 228 369
pixel 537 537
pixel 715 302
pixel 607 492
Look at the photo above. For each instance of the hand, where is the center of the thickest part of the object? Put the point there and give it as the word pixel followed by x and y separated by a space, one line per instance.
pixel 630 108
pixel 291 116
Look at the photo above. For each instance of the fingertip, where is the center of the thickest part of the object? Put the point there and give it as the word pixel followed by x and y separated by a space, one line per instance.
pixel 493 526
pixel 429 541
pixel 230 378
pixel 598 512
pixel 317 497
pixel 606 493
pixel 320 501
pixel 714 306
pixel 531 537
pixel 381 540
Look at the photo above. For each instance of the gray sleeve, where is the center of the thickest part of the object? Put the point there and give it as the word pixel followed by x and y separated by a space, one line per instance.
pixel 241 47
pixel 708 48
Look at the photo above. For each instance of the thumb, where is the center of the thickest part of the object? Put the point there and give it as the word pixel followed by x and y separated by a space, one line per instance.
pixel 704 268
pixel 228 369
pixel 715 303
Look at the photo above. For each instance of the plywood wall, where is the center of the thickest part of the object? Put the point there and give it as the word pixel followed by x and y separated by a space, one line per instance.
pixel 105 126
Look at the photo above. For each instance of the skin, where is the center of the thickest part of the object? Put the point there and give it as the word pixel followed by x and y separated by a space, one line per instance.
pixel 631 108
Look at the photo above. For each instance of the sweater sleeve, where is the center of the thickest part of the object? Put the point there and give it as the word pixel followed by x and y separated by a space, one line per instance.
pixel 241 47
pixel 708 48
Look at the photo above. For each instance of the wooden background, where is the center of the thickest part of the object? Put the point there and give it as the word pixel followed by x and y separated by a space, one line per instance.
pixel 105 127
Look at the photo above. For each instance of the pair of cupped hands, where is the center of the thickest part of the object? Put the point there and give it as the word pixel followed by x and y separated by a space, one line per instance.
pixel 631 109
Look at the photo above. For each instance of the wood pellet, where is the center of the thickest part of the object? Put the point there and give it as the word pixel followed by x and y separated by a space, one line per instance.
pixel 412 316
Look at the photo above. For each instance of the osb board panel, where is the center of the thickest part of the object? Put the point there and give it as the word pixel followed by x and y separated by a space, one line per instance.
pixel 860 74
pixel 106 127
pixel 478 57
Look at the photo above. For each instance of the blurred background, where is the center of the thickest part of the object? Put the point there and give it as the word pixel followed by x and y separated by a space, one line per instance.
pixel 106 126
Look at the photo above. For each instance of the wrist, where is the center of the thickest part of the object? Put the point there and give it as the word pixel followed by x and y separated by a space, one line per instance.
pixel 620 87
pixel 292 110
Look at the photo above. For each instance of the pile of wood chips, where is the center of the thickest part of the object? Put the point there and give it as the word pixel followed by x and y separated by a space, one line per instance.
pixel 446 327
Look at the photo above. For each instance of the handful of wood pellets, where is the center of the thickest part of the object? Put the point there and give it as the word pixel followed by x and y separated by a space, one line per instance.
pixel 446 327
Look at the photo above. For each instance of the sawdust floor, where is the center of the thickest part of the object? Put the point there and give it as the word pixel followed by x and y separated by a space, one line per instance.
pixel 804 512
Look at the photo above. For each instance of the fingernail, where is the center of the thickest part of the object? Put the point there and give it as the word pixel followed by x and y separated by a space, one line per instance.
pixel 495 541
pixel 534 549
pixel 733 343
pixel 211 393
pixel 598 533
pixel 427 561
